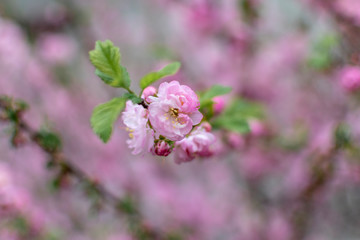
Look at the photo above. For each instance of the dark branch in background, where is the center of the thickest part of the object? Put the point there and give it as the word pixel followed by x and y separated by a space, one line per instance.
pixel 323 167
pixel 11 111
pixel 348 28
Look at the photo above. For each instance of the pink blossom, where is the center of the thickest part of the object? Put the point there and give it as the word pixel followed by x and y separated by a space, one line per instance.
pixel 12 58
pixel 174 111
pixel 350 78
pixel 257 127
pixel 10 197
pixel 349 8
pixel 56 48
pixel 149 91
pixel 135 117
pixel 235 140
pixel 219 104
pixel 198 143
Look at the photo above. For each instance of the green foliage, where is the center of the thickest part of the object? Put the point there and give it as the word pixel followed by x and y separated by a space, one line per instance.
pixel 49 141
pixel 104 117
pixel 106 59
pixel 207 96
pixel 53 234
pixel 135 99
pixel 152 77
pixel 21 225
pixel 235 117
pixel 127 206
pixel 321 54
pixel 342 136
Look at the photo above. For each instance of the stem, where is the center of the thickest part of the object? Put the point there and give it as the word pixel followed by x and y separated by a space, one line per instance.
pixel 129 90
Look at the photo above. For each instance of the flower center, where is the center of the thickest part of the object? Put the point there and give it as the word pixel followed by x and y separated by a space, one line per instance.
pixel 174 112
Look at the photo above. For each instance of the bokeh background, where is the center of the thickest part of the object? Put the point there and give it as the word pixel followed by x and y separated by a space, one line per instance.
pixel 296 175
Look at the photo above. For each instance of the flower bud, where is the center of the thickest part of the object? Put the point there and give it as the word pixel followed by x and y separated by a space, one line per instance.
pixel 149 91
pixel 219 104
pixel 162 148
pixel 206 126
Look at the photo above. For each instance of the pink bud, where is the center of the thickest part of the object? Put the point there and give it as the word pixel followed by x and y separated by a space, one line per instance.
pixel 162 148
pixel 206 126
pixel 219 104
pixel 257 127
pixel 149 91
pixel 350 78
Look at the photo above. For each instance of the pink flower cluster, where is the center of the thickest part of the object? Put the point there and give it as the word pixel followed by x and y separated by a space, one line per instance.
pixel 350 78
pixel 168 120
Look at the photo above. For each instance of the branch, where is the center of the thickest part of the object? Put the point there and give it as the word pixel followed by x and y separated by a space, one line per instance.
pixel 11 111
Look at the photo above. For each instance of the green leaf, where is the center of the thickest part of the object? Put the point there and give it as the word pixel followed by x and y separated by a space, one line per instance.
pixel 235 117
pixel 125 77
pixel 152 77
pixel 50 141
pixel 323 52
pixel 216 90
pixel 234 124
pixel 106 78
pixel 104 117
pixel 106 59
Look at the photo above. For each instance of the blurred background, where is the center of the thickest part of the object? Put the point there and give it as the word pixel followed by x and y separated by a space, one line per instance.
pixel 296 174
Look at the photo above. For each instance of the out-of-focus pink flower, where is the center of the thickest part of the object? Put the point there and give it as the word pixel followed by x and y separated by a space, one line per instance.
pixel 149 91
pixel 135 117
pixel 56 48
pixel 174 111
pixel 236 140
pixel 219 104
pixel 13 48
pixel 350 78
pixel 10 198
pixel 202 17
pixel 206 126
pixel 197 144
pixel 257 128
pixel 162 148
pixel 278 227
pixel 349 8
pixel 9 234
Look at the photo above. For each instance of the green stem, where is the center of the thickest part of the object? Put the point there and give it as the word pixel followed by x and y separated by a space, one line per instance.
pixel 128 89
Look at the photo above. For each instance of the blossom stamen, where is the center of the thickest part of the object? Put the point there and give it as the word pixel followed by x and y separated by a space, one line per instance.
pixel 174 112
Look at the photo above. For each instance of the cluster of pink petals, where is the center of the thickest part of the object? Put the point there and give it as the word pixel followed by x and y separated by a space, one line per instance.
pixel 350 78
pixel 135 117
pixel 167 121
pixel 197 144
pixel 174 111
pixel 10 197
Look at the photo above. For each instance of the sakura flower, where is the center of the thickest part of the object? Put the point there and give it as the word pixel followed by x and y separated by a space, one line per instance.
pixel 197 144
pixel 135 117
pixel 174 111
